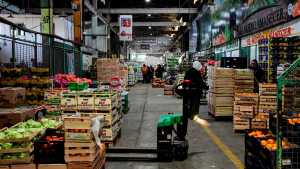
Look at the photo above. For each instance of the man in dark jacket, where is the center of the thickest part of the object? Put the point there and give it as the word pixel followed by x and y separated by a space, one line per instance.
pixel 195 77
pixel 259 74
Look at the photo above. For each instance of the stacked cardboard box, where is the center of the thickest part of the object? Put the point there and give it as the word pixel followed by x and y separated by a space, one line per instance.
pixel 244 81
pixel 81 149
pixel 107 68
pixel 245 109
pixel 267 101
pixel 221 91
pixel 12 97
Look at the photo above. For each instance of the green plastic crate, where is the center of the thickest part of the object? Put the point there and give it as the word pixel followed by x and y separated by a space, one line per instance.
pixel 77 86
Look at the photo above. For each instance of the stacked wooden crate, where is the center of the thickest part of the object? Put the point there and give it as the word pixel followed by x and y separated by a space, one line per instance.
pixel 108 105
pixel 168 90
pixel 158 83
pixel 124 77
pixel 245 109
pixel 267 101
pixel 107 68
pixel 81 149
pixel 221 91
pixel 244 81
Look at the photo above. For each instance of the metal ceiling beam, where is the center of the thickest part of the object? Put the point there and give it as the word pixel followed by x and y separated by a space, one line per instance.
pixel 153 24
pixel 149 11
pixel 91 8
pixel 9 7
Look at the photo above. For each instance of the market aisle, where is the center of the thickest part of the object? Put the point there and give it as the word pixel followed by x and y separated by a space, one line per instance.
pixel 139 130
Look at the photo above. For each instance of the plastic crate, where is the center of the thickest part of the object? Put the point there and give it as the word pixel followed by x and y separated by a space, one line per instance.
pixel 77 86
pixel 49 152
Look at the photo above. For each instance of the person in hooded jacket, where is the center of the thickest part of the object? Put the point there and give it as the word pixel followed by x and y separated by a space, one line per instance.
pixel 198 83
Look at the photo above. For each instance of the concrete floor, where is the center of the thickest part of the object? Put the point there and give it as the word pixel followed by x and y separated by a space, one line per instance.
pixel 139 130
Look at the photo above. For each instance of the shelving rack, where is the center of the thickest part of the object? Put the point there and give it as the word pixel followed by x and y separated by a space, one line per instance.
pixel 290 79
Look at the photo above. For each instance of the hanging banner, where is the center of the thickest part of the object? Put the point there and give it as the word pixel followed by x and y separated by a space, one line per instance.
pixel 125 22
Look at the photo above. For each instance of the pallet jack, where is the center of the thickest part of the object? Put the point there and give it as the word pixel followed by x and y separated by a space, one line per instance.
pixel 171 133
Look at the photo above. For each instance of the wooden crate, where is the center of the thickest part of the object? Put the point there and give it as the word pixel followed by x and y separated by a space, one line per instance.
pixel 74 148
pixel 105 101
pixel 85 101
pixel 23 166
pixel 244 112
pixel 267 89
pixel 79 157
pixel 80 135
pixel 77 122
pixel 267 100
pixel 241 124
pixel 259 124
pixel 111 133
pixel 98 163
pixel 52 166
pixel 246 98
pixel 69 101
pixel 220 111
pixel 26 160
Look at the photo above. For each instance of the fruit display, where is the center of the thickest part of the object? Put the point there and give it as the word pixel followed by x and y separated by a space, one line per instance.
pixel 35 80
pixel 63 80
pixel 260 134
pixel 26 130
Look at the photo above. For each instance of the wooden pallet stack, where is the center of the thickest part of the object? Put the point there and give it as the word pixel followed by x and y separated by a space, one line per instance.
pixel 244 81
pixel 81 150
pixel 108 105
pixel 245 109
pixel 221 91
pixel 168 90
pixel 124 76
pixel 267 102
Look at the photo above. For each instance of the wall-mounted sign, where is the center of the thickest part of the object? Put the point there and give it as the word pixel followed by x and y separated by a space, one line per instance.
pixel 125 22
pixel 264 19
pixel 287 31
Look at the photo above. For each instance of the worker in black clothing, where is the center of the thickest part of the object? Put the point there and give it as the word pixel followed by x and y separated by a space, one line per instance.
pixel 193 74
pixel 159 71
pixel 259 75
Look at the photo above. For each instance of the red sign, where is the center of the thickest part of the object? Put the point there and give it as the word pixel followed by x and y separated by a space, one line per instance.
pixel 219 39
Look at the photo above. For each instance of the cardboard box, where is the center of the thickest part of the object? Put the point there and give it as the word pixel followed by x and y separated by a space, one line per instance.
pixel 12 97
pixel 52 166
pixel 23 166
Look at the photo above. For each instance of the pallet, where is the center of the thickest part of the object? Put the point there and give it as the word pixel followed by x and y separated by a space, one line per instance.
pixel 79 157
pixel 52 166
pixel 220 118
pixel 22 166
pixel 97 164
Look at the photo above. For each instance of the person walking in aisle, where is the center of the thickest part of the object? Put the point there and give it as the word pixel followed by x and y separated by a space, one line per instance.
pixel 159 71
pixel 144 72
pixel 150 74
pixel 196 79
